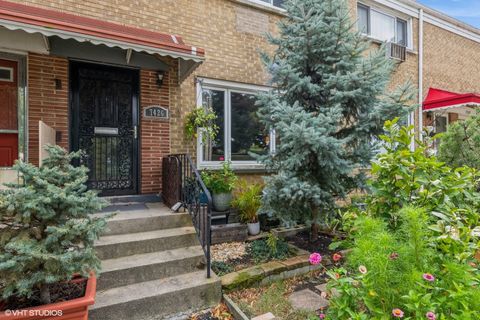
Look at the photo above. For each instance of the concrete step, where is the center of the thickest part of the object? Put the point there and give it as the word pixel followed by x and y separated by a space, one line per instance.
pixel 150 266
pixel 116 246
pixel 146 220
pixel 158 299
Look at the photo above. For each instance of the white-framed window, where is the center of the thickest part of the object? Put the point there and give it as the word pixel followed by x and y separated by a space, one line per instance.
pixel 383 26
pixel 274 3
pixel 240 132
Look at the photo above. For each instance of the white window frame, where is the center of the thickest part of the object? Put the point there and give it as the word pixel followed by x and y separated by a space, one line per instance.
pixel 268 3
pixel 228 88
pixel 407 19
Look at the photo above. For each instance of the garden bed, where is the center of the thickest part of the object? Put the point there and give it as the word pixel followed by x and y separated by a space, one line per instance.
pixel 302 241
pixel 274 297
pixel 235 256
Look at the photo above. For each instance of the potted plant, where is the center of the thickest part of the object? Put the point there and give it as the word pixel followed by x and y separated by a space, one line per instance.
pixel 47 260
pixel 221 184
pixel 248 200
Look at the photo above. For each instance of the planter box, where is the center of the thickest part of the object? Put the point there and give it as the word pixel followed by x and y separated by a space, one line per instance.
pixel 76 309
pixel 269 272
pixel 229 233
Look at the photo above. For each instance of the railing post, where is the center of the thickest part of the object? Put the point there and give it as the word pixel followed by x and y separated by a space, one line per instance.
pixel 191 190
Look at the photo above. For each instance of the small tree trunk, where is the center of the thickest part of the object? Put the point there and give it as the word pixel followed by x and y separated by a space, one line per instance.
pixel 314 227
pixel 45 294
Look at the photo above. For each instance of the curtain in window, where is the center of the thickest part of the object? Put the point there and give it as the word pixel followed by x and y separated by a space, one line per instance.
pixel 363 13
pixel 382 26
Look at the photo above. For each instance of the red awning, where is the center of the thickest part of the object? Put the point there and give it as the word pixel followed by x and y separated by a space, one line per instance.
pixel 48 22
pixel 440 99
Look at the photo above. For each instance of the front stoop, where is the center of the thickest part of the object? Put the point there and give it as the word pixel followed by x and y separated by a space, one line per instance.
pixel 153 267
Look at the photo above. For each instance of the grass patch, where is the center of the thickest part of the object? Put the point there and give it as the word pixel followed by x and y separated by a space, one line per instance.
pixel 272 298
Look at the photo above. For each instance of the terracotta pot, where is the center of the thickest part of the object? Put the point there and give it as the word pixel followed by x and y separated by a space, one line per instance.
pixel 76 309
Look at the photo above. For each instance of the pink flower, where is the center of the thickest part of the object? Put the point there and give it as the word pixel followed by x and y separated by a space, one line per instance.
pixel 397 313
pixel 315 258
pixel 431 316
pixel 362 269
pixel 322 316
pixel 393 256
pixel 221 158
pixel 429 277
pixel 337 257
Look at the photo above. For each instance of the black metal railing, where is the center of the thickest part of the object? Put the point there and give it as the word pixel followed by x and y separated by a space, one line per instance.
pixel 182 183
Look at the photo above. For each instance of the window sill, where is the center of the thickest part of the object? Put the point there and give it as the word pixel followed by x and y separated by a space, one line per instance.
pixel 262 6
pixel 380 42
pixel 236 167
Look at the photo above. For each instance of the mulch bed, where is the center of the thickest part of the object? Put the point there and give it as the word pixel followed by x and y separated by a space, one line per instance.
pixel 59 292
pixel 302 240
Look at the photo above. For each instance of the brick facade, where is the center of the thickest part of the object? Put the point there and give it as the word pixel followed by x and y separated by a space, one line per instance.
pixel 45 101
pixel 154 134
pixel 232 34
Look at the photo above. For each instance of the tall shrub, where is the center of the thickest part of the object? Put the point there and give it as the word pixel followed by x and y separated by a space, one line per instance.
pixel 460 144
pixel 47 232
pixel 330 102
pixel 402 177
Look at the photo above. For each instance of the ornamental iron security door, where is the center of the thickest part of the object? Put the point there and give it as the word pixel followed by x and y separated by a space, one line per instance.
pixel 104 124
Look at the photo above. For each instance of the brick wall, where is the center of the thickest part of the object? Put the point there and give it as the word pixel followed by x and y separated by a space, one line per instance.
pixel 451 62
pixel 45 102
pixel 154 134
pixel 232 51
pixel 232 35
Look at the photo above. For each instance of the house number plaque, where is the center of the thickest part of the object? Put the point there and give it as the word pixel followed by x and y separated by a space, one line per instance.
pixel 155 112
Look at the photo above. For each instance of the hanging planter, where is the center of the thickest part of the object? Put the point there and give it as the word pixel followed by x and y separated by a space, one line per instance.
pixel 201 119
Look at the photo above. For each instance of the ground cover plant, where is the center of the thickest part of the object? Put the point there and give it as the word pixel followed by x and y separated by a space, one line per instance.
pixel 230 257
pixel 274 298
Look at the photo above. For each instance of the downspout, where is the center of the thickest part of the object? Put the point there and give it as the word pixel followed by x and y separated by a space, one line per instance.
pixel 420 73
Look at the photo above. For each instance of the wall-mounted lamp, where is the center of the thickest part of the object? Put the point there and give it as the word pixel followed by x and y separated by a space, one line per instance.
pixel 160 77
pixel 58 84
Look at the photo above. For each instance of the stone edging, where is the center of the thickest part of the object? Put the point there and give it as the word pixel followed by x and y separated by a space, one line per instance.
pixel 270 271
pixel 234 309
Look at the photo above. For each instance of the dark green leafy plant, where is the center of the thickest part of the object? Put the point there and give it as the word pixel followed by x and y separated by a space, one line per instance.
pixel 220 181
pixel 261 251
pixel 221 268
pixel 47 232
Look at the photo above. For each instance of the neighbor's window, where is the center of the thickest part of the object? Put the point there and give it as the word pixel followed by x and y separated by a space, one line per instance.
pixel 275 3
pixel 382 26
pixel 240 132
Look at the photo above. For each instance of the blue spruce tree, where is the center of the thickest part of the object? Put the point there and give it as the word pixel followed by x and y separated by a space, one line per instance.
pixel 47 231
pixel 330 102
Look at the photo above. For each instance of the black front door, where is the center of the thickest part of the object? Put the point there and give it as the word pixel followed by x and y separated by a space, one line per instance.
pixel 104 124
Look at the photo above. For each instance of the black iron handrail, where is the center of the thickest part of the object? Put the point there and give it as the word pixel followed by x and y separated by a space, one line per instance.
pixel 182 183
